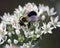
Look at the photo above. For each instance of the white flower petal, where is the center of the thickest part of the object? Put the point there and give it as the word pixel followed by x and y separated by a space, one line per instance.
pixel 9 41
pixel 56 19
pixel 50 32
pixel 58 24
pixel 15 41
pixel 7 46
pixel 17 32
pixel 43 17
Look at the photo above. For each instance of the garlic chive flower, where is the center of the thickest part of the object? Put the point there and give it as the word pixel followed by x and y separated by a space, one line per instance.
pixel 26 25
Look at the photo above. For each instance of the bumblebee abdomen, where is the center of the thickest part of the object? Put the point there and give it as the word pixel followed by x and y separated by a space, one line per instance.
pixel 32 13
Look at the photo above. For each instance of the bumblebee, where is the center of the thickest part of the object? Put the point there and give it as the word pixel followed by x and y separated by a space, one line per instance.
pixel 25 20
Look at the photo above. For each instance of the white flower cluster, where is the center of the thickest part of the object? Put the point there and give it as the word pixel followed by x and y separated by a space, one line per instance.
pixel 27 24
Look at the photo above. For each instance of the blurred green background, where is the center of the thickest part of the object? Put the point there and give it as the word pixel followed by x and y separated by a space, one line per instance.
pixel 48 40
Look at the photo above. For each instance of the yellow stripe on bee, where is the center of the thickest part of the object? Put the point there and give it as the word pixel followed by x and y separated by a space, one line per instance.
pixel 26 17
pixel 23 17
pixel 26 23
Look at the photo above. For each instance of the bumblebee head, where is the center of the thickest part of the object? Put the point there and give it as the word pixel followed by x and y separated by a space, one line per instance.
pixel 23 21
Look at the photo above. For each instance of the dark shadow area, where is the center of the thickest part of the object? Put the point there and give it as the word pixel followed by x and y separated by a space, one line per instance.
pixel 10 5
